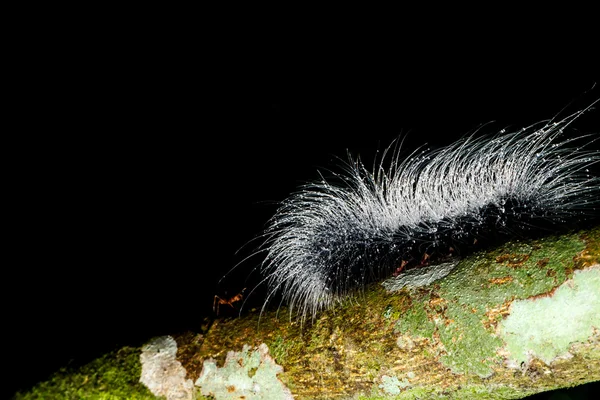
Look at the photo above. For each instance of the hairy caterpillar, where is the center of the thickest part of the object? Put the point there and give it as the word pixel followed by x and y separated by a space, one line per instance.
pixel 328 240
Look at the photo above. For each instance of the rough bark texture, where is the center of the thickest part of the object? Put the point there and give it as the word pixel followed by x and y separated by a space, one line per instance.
pixel 506 323
pixel 521 319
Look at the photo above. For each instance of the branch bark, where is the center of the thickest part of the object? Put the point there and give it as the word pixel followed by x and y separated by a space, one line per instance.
pixel 503 324
pixel 514 321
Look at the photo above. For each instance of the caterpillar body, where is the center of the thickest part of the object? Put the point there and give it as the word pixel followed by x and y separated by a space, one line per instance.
pixel 329 240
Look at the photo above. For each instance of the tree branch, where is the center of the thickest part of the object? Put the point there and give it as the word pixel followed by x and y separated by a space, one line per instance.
pixel 517 320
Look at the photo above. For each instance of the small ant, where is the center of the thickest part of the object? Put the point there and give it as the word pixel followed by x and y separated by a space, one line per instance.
pixel 218 301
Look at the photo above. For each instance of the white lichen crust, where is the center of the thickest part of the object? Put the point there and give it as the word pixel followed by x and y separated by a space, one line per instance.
pixel 249 374
pixel 554 323
pixel 162 373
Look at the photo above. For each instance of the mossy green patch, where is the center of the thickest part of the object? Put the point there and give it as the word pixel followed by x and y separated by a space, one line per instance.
pixel 469 348
pixel 416 322
pixel 279 348
pixel 111 377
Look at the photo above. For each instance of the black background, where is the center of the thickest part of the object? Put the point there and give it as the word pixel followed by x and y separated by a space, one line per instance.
pixel 142 172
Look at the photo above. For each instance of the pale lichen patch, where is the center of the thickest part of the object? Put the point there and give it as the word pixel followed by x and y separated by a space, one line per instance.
pixel 546 327
pixel 162 373
pixel 249 374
